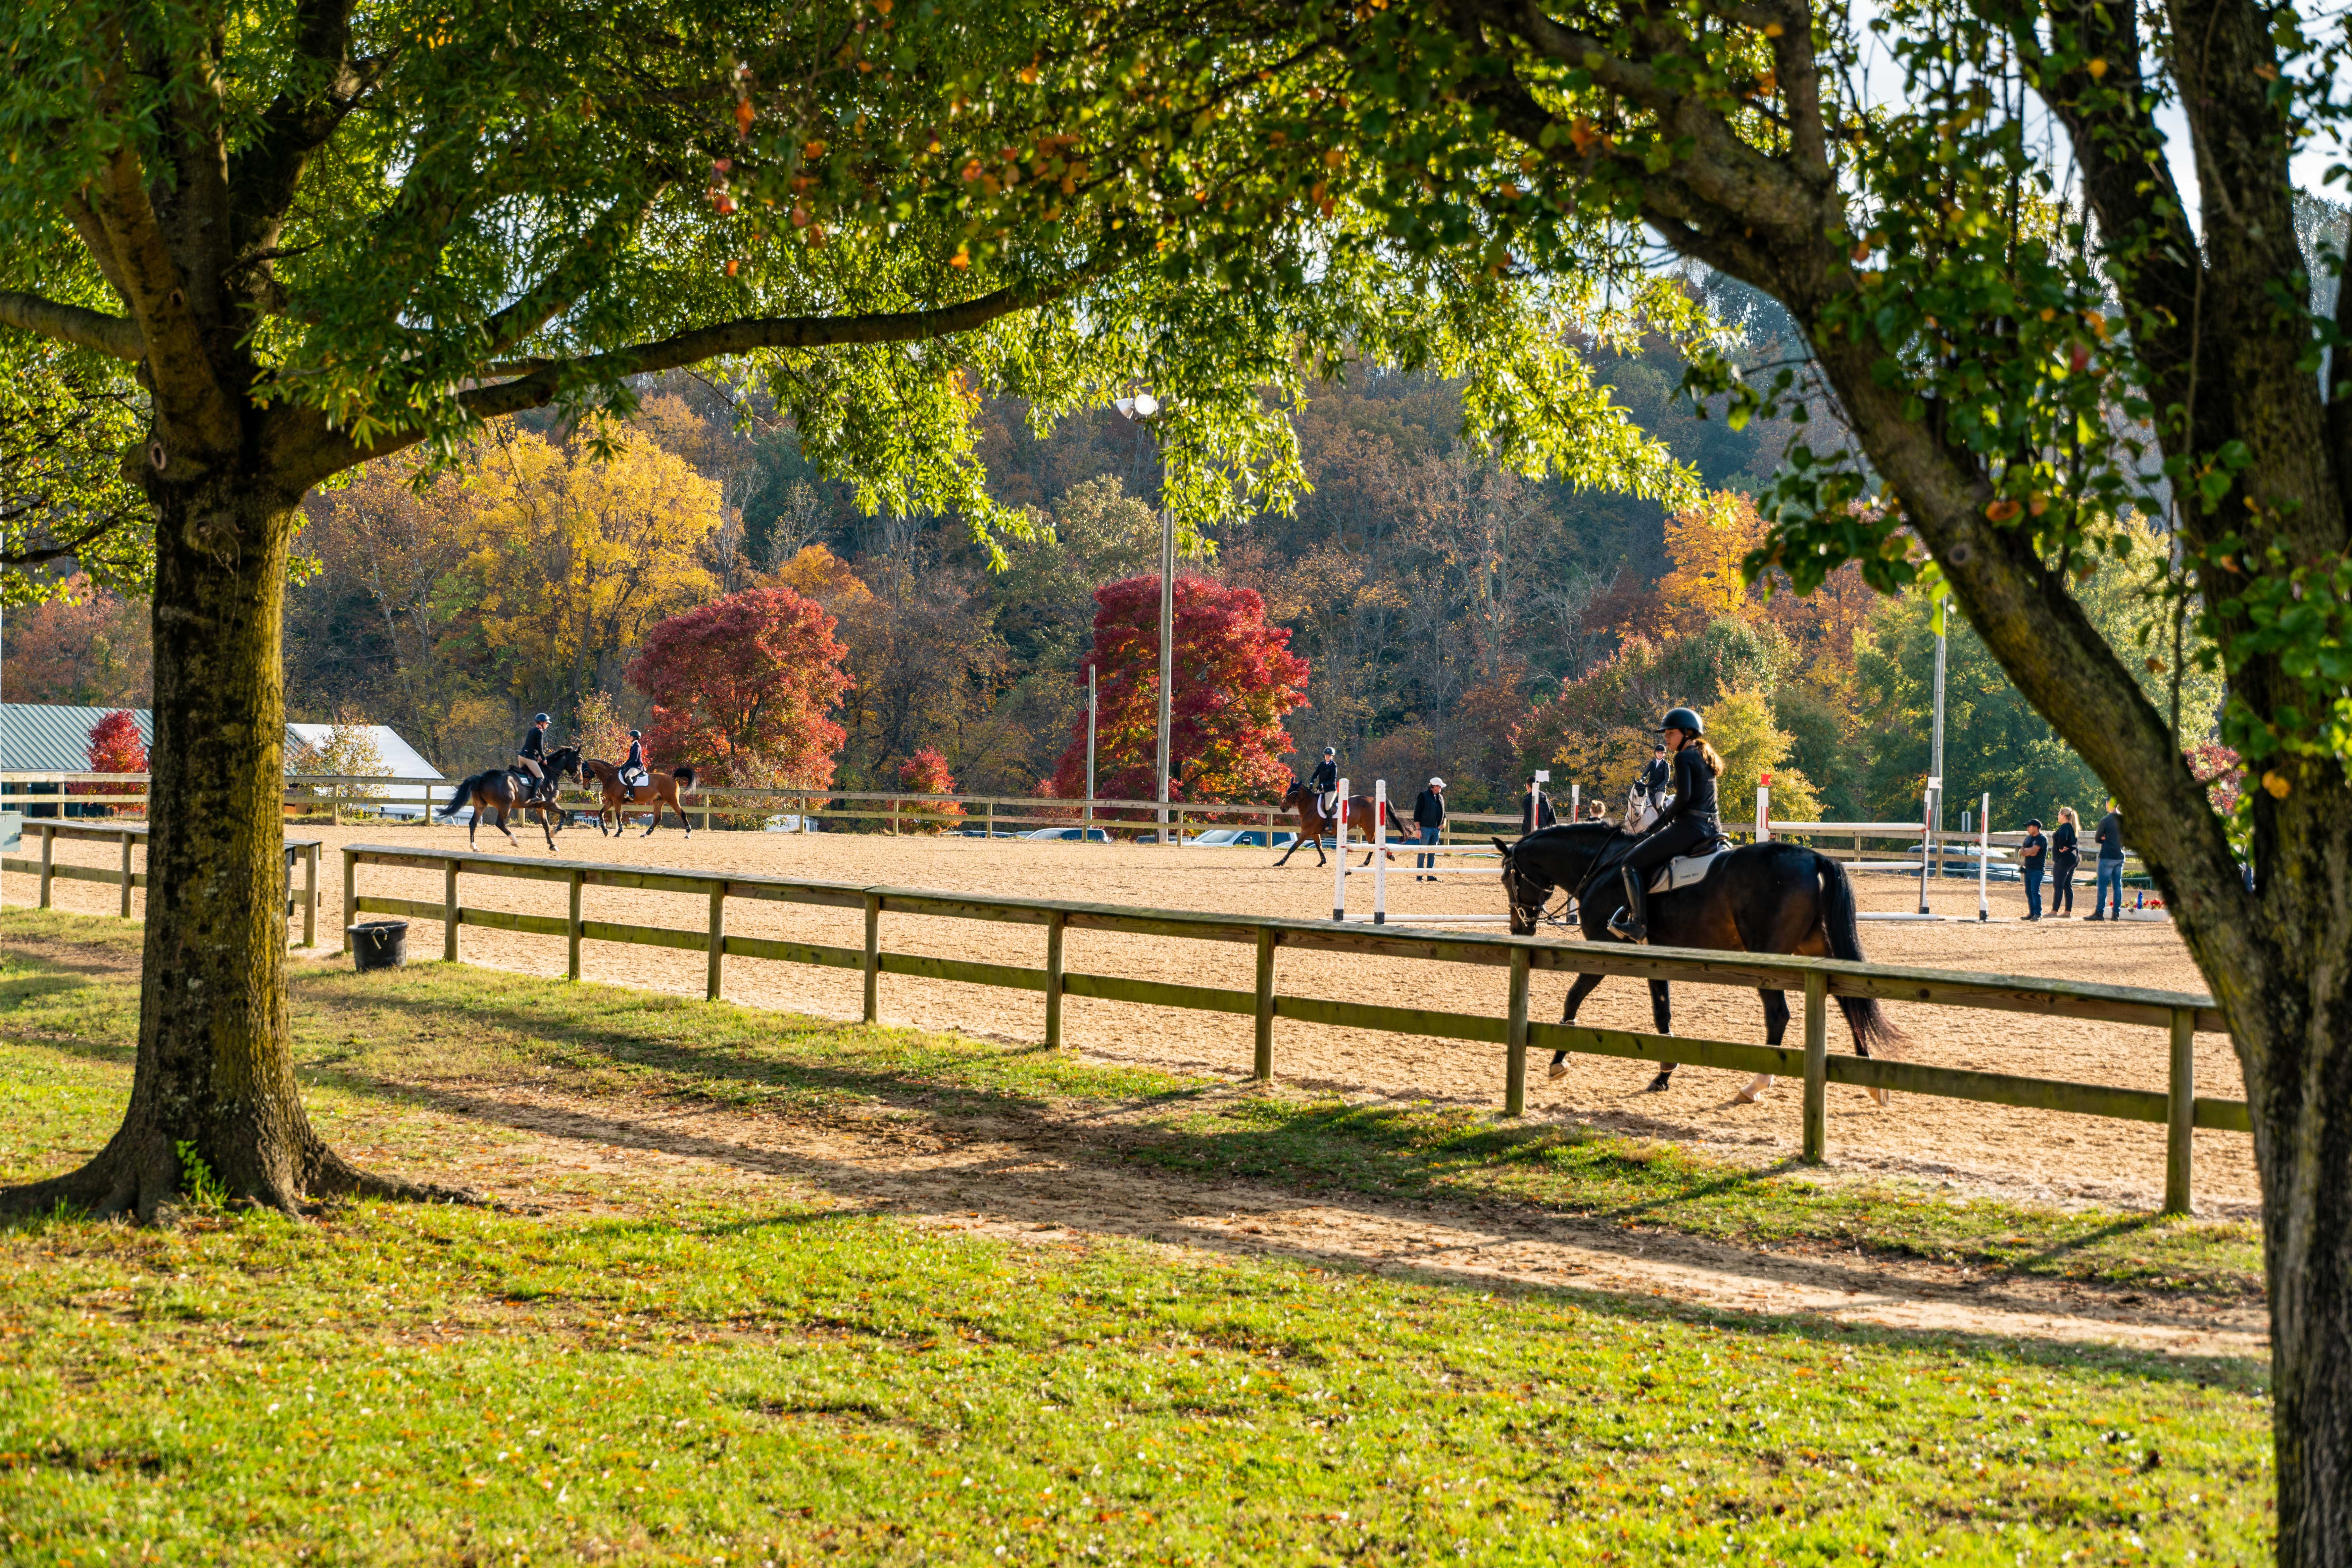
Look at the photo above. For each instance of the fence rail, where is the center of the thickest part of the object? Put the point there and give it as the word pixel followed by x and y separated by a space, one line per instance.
pixel 50 872
pixel 2179 1107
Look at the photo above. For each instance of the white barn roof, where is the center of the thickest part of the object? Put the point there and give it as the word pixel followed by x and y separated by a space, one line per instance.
pixel 45 738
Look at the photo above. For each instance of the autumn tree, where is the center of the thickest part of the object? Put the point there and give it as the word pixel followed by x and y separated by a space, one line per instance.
pixel 115 748
pixel 1708 542
pixel 1235 678
pixel 85 647
pixel 744 687
pixel 926 773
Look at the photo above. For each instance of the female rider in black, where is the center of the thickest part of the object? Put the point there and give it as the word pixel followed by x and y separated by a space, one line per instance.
pixel 1693 823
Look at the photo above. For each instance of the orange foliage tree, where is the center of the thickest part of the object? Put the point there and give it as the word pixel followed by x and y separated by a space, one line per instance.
pixel 743 686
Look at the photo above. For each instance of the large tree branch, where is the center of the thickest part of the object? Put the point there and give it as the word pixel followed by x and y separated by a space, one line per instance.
pixel 85 329
pixel 265 174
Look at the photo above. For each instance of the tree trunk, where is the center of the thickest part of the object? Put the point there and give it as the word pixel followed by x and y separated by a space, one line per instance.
pixel 215 1080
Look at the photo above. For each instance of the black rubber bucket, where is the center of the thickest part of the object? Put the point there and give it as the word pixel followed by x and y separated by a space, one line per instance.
pixel 378 944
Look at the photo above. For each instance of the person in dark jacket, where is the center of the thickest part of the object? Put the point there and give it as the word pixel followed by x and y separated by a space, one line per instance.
pixel 1536 809
pixel 2030 858
pixel 2111 864
pixel 1429 815
pixel 1692 823
pixel 534 753
pixel 1324 782
pixel 1655 780
pixel 633 766
pixel 2066 854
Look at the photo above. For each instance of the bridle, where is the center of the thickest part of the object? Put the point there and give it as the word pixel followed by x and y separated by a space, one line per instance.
pixel 1558 908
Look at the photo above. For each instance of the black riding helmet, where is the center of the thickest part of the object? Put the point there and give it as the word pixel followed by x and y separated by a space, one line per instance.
pixel 538 718
pixel 1684 719
pixel 636 734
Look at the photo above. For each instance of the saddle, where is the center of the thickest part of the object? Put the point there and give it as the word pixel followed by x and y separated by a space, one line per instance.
pixel 1686 870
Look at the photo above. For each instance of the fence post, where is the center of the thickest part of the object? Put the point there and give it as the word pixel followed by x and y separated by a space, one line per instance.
pixel 1262 1059
pixel 449 912
pixel 309 895
pixel 1515 1079
pixel 1817 1066
pixel 351 895
pixel 990 825
pixel 1340 871
pixel 571 926
pixel 1057 928
pixel 718 944
pixel 2180 1125
pixel 873 958
pixel 125 911
pixel 335 801
pixel 49 860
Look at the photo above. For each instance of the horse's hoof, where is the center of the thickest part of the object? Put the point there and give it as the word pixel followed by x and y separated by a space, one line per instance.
pixel 1659 1084
pixel 1745 1097
pixel 1558 1069
pixel 1883 1097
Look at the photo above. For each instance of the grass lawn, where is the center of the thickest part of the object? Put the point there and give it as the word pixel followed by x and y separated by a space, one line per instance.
pixel 685 1373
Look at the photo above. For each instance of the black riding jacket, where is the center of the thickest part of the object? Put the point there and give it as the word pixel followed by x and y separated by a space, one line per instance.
pixel 1694 793
pixel 1654 777
pixel 1326 776
pixel 636 758
pixel 534 743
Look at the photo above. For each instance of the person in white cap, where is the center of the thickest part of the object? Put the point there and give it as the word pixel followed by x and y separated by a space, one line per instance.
pixel 1429 815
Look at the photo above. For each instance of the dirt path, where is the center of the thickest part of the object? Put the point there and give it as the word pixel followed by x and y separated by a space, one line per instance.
pixel 1049 1181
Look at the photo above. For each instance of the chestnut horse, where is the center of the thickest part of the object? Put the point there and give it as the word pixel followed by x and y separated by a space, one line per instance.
pixel 1774 896
pixel 1313 824
pixel 629 799
pixel 502 790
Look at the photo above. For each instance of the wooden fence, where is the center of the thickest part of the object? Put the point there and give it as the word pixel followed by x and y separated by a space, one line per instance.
pixel 2180 1109
pixel 127 834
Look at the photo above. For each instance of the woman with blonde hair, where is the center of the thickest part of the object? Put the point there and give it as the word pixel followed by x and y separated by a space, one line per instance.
pixel 1692 823
pixel 2064 855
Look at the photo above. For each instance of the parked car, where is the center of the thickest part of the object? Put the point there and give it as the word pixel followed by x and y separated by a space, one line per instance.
pixel 985 833
pixel 1243 839
pixel 1071 834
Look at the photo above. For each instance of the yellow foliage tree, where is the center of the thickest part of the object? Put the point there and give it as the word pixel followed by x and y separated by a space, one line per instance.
pixel 1706 543
pixel 574 556
pixel 1740 727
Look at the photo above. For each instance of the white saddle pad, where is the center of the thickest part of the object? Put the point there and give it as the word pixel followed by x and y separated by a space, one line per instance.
pixel 1686 870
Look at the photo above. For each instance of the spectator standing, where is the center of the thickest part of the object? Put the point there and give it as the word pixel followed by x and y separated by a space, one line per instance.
pixel 2030 858
pixel 1535 809
pixel 2111 864
pixel 1429 815
pixel 2066 854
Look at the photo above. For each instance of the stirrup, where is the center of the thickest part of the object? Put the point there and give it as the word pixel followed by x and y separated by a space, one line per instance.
pixel 1623 926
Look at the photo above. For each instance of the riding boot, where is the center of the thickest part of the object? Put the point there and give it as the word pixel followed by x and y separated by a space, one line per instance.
pixel 1631 923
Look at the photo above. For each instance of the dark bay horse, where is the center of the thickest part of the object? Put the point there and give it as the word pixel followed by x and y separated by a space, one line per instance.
pixel 502 790
pixel 1313 824
pixel 1774 896
pixel 650 797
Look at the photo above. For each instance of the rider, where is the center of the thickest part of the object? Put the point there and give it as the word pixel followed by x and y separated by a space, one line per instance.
pixel 1692 823
pixel 1326 783
pixel 534 753
pixel 1655 780
pixel 633 768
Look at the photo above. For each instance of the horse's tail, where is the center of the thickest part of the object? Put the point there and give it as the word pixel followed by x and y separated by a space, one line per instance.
pixel 457 800
pixel 1396 822
pixel 685 777
pixel 1864 1016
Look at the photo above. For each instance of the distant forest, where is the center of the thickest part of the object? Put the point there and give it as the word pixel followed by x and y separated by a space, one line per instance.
pixel 1457 619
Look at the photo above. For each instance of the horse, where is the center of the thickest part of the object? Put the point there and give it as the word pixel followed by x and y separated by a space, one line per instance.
pixel 621 797
pixel 1313 824
pixel 501 790
pixel 1773 897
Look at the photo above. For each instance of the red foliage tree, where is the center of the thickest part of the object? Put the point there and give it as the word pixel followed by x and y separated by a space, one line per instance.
pixel 1235 678
pixel 926 773
pixel 742 686
pixel 115 748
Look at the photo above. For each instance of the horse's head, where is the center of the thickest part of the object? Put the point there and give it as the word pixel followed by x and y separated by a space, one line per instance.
pixel 1293 796
pixel 563 762
pixel 1545 863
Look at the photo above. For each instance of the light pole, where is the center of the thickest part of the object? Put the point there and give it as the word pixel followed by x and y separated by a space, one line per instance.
pixel 1090 747
pixel 1143 408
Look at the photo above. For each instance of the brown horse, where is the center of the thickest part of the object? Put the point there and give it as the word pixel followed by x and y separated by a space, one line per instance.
pixel 628 799
pixel 502 790
pixel 1313 824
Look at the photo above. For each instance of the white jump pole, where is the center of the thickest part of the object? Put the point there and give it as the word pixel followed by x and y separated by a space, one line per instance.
pixel 1576 803
pixel 1764 809
pixel 1380 852
pixel 1984 854
pixel 1339 875
pixel 1535 813
pixel 1926 820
